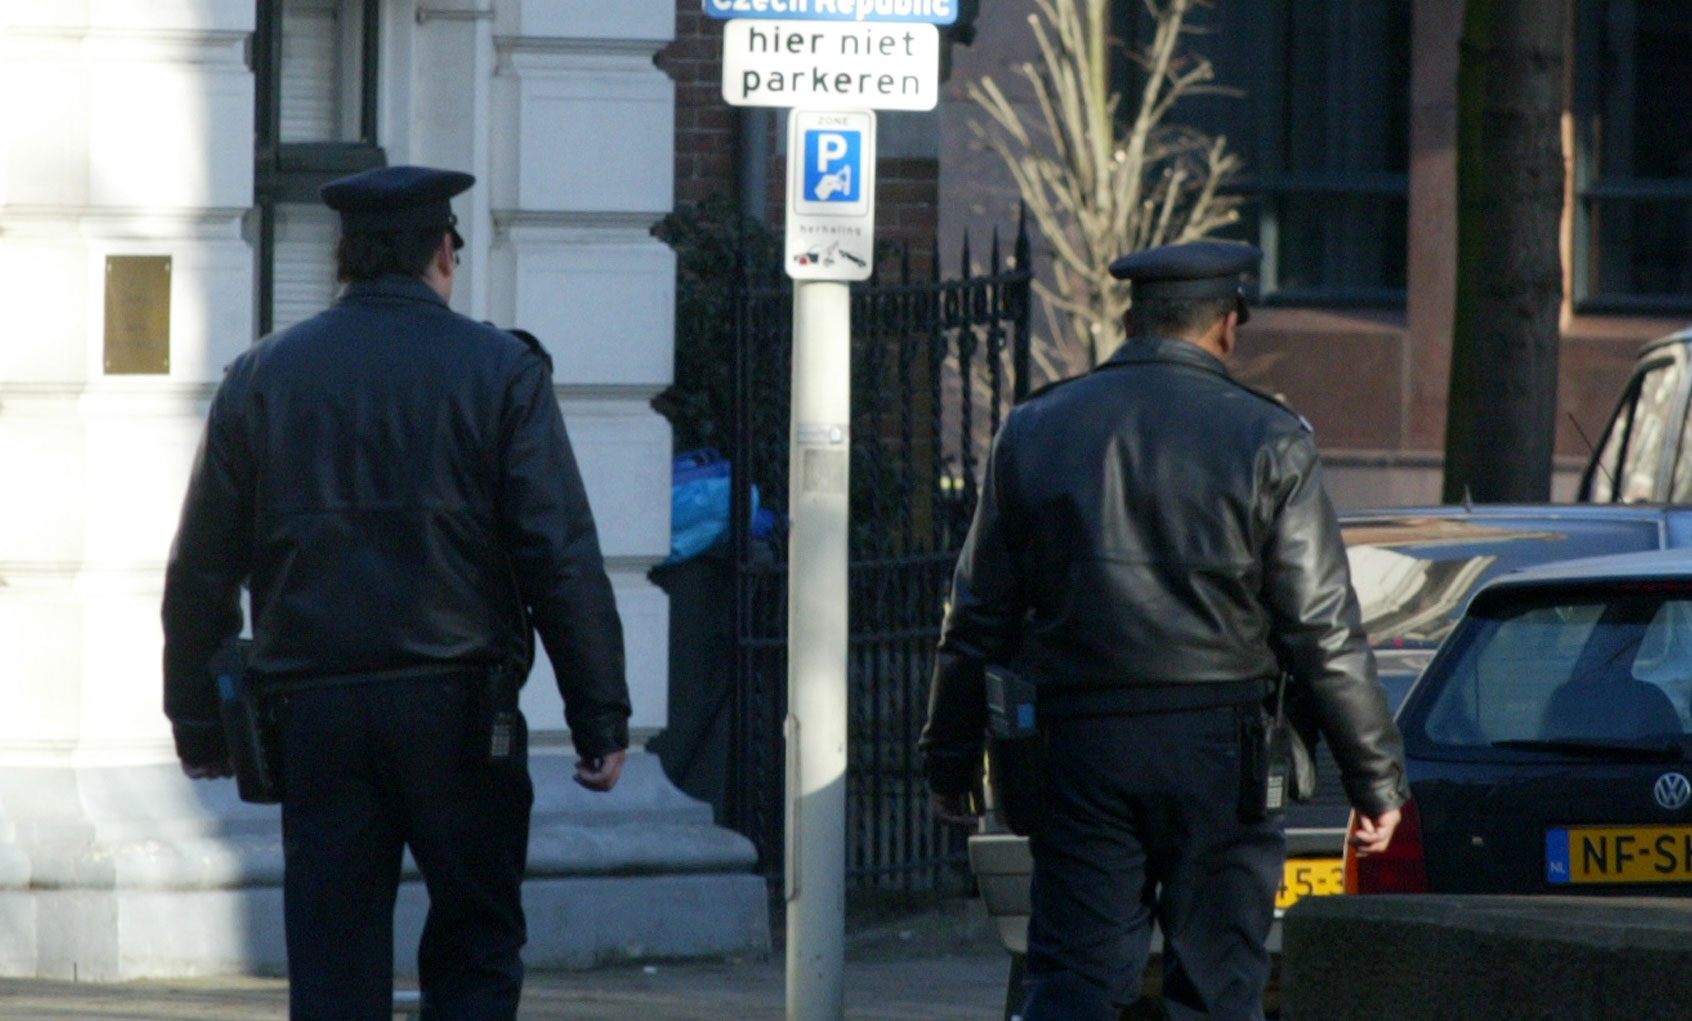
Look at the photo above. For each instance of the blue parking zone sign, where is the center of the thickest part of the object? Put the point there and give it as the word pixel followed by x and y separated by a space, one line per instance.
pixel 834 165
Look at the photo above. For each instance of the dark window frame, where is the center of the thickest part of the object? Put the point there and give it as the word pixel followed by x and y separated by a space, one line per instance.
pixel 1269 193
pixel 1282 88
pixel 294 171
pixel 1595 105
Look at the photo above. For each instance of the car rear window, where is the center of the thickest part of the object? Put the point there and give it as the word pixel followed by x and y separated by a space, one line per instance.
pixel 1592 665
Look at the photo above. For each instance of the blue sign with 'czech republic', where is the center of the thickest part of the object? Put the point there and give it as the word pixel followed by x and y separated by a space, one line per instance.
pixel 834 165
pixel 933 12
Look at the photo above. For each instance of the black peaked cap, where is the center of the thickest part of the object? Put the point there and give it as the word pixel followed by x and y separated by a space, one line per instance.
pixel 1197 269
pixel 396 198
pixel 1190 272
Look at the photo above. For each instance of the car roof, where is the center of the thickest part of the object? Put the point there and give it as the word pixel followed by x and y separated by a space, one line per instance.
pixel 1652 565
pixel 1677 337
pixel 1537 511
pixel 1439 524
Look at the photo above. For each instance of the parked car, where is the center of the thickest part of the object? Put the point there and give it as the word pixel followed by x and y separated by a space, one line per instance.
pixel 1644 453
pixel 1415 570
pixel 1548 740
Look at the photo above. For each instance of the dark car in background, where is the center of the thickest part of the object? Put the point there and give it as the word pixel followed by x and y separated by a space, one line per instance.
pixel 1415 571
pixel 1549 740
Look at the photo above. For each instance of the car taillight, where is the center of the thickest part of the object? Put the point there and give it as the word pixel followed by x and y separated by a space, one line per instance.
pixel 1399 869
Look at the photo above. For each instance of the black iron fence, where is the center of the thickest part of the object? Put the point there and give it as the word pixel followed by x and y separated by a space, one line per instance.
pixel 935 364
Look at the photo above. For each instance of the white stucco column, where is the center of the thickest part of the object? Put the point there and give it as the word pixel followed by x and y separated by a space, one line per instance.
pixel 132 136
pixel 581 168
pixel 126 129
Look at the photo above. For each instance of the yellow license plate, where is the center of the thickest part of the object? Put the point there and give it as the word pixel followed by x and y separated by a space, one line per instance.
pixel 1619 854
pixel 1309 877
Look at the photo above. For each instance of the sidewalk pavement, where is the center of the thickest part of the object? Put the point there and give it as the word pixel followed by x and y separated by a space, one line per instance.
pixel 936 964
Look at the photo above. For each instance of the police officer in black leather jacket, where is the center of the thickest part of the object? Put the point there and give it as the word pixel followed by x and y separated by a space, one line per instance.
pixel 393 483
pixel 1152 548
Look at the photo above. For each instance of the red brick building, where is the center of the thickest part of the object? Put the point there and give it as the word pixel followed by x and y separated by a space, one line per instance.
pixel 1347 120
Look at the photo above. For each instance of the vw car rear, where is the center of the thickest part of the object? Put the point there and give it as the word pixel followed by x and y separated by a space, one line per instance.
pixel 1549 740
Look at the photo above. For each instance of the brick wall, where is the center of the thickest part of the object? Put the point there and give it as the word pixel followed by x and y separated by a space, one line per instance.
pixel 707 129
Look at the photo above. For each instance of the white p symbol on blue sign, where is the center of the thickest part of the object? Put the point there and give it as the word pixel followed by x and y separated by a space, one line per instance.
pixel 833 166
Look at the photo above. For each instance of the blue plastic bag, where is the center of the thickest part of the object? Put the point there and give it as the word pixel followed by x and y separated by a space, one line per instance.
pixel 699 503
pixel 700 494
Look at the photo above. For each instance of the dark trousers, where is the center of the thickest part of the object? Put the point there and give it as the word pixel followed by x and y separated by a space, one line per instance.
pixel 371 769
pixel 1143 824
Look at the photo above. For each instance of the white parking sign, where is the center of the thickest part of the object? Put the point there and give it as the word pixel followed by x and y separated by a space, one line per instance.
pixel 822 64
pixel 830 194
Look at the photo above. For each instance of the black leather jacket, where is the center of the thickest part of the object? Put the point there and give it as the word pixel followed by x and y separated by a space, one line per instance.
pixel 1147 535
pixel 394 484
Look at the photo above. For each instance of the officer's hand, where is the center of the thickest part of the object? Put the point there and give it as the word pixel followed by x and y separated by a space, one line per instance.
pixel 208 770
pixel 957 809
pixel 601 774
pixel 1373 833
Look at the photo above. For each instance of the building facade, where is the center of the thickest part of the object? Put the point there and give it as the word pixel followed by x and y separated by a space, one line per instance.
pixel 159 163
pixel 1345 114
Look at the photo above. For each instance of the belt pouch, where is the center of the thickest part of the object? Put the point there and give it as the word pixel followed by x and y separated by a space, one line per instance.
pixel 247 726
pixel 1016 752
pixel 1265 763
pixel 496 732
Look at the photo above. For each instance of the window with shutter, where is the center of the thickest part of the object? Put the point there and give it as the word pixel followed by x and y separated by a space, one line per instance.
pixel 304 270
pixel 315 64
pixel 310 109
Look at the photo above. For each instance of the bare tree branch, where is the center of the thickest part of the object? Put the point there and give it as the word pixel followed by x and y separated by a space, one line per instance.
pixel 1096 190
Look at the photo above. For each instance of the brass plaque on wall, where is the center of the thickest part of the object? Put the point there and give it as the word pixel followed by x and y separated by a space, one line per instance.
pixel 137 314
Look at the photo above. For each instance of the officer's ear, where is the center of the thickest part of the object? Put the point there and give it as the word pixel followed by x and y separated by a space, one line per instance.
pixel 1230 333
pixel 446 256
pixel 438 274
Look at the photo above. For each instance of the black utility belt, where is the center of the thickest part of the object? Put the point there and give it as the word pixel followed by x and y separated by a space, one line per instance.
pixel 252 708
pixel 494 728
pixel 1019 715
pixel 1075 701
pixel 426 672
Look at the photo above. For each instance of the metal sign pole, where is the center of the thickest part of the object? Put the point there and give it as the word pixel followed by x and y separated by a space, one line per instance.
pixel 817 651
pixel 832 77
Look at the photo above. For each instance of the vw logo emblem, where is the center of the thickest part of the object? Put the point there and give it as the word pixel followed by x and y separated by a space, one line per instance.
pixel 1672 791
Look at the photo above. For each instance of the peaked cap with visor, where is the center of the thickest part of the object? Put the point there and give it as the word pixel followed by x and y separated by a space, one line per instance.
pixel 397 198
pixel 1193 271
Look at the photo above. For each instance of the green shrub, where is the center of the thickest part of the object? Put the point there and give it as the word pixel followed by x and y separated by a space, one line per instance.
pixel 713 241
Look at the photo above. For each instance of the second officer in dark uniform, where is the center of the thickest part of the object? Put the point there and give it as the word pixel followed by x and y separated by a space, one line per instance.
pixel 393 483
pixel 1152 548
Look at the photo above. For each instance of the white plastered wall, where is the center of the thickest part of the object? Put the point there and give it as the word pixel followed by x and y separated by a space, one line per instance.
pixel 126 128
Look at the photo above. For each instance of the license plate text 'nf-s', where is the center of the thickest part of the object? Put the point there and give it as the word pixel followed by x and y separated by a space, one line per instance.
pixel 1619 854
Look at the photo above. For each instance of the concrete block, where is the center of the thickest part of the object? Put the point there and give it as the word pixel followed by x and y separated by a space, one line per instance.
pixel 587 299
pixel 653 20
pixel 121 873
pixel 596 134
pixel 645 612
pixel 1433 958
pixel 623 451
